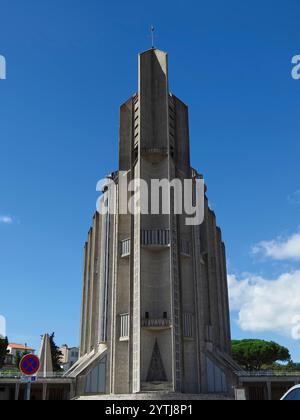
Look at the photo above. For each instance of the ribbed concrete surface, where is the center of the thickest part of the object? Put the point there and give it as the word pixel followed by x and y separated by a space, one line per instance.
pixel 157 396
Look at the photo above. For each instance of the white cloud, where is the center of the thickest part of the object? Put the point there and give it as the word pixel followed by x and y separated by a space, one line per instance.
pixel 267 305
pixel 2 326
pixel 6 220
pixel 280 249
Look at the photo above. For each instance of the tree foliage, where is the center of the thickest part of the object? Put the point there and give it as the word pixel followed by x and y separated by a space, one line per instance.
pixel 255 354
pixel 279 367
pixel 19 356
pixel 56 354
pixel 3 350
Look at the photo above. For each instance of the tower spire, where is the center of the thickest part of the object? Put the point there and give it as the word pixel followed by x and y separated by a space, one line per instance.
pixel 152 36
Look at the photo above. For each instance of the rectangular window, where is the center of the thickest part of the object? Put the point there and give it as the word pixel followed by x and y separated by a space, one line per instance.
pixel 125 248
pixel 188 325
pixel 124 327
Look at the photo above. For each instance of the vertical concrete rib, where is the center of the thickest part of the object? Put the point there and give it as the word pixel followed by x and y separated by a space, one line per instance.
pixel 88 294
pixel 219 281
pixel 226 301
pixel 91 286
pixel 95 284
pixel 214 301
pixel 83 304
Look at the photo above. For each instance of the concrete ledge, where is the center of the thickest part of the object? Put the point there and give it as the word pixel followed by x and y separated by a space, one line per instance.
pixel 156 396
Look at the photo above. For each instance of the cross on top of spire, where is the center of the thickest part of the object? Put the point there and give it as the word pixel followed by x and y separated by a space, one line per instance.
pixel 152 35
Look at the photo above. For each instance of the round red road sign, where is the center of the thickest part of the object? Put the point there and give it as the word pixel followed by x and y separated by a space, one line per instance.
pixel 30 365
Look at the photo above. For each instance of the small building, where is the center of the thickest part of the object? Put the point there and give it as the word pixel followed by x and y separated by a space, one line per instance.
pixel 48 385
pixel 70 356
pixel 9 361
pixel 266 386
pixel 56 388
pixel 15 349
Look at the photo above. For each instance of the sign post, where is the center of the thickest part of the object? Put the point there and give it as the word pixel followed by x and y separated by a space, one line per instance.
pixel 29 366
pixel 28 392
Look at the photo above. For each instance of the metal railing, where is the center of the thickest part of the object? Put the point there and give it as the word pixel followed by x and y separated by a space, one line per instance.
pixel 18 375
pixel 155 237
pixel 267 373
pixel 156 323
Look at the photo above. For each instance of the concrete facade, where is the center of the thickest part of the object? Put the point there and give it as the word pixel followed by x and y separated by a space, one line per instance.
pixel 19 349
pixel 70 356
pixel 267 386
pixel 45 356
pixel 45 389
pixel 155 311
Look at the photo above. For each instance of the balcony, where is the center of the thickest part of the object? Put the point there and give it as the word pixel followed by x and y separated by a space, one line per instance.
pixel 156 324
pixel 156 238
pixel 162 151
pixel 154 155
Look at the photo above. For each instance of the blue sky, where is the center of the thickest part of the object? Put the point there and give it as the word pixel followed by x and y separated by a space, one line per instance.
pixel 70 64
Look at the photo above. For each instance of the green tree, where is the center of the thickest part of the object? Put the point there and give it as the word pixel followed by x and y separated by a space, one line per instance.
pixel 254 354
pixel 56 354
pixel 279 367
pixel 3 351
pixel 19 356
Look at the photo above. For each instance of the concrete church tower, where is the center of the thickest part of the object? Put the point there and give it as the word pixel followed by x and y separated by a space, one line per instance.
pixel 155 313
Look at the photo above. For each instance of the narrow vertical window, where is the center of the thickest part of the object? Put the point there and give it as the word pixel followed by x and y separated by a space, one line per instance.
pixel 124 327
pixel 188 325
pixel 125 248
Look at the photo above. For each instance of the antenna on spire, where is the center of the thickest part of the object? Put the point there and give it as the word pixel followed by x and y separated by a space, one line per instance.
pixel 152 35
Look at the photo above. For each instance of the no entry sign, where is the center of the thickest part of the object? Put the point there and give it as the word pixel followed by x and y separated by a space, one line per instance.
pixel 29 365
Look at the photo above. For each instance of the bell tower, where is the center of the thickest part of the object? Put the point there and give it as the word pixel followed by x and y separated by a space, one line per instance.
pixel 155 312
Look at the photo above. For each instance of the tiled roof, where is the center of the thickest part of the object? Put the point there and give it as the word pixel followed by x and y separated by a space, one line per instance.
pixel 19 347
